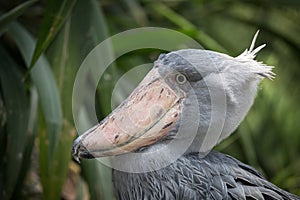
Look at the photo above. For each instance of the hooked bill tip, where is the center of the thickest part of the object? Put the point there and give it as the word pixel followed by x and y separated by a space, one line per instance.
pixel 77 159
pixel 75 149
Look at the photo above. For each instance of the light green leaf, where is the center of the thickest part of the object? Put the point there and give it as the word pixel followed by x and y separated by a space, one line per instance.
pixel 79 35
pixel 43 79
pixel 54 173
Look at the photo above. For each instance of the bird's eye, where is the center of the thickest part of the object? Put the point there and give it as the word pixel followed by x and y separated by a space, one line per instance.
pixel 180 78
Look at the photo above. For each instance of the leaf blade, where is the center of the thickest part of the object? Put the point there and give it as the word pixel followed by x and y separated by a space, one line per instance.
pixel 16 104
pixel 56 13
pixel 7 18
pixel 44 81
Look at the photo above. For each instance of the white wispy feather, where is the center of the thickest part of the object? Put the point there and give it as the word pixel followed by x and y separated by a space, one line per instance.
pixel 249 55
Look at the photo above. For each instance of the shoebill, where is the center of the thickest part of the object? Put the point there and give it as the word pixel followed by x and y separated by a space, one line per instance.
pixel 160 138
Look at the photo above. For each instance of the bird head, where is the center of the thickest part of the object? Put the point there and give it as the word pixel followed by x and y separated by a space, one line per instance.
pixel 191 98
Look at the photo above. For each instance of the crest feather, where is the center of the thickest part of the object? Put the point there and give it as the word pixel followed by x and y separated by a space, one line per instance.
pixel 249 55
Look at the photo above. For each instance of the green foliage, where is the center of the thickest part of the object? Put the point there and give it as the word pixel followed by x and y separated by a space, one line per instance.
pixel 80 34
pixel 55 14
pixel 10 16
pixel 43 79
pixel 36 82
pixel 17 114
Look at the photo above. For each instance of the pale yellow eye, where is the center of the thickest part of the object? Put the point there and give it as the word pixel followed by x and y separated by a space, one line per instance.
pixel 180 78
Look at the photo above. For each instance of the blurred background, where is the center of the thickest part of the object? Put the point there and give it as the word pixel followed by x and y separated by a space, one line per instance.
pixel 43 43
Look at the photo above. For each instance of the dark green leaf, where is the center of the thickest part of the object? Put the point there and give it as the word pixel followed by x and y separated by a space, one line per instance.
pixel 11 15
pixel 16 104
pixel 30 138
pixel 99 179
pixel 184 24
pixel 56 13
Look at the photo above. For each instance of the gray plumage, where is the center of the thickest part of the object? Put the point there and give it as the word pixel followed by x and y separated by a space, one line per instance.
pixel 217 176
